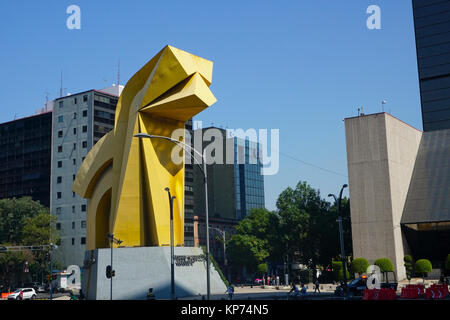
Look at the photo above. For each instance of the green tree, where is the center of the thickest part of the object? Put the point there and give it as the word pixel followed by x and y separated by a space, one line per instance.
pixel 247 251
pixel 13 215
pixel 447 263
pixel 256 239
pixel 423 266
pixel 407 259
pixel 359 265
pixel 385 265
pixel 338 270
pixel 308 225
pixel 28 223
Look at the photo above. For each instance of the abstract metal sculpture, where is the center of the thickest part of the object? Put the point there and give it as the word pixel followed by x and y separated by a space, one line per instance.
pixel 123 177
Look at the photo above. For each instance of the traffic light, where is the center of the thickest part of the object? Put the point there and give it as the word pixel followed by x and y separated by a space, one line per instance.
pixel 109 272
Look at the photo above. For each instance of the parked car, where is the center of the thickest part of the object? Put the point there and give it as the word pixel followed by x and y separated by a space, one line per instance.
pixel 23 294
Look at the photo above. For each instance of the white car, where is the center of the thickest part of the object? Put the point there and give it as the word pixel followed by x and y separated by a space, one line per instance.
pixel 27 293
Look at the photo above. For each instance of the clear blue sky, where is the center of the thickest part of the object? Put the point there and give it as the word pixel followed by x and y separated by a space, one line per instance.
pixel 298 66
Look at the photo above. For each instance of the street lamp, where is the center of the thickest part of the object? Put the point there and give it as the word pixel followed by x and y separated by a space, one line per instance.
pixel 341 235
pixel 172 269
pixel 112 273
pixel 203 170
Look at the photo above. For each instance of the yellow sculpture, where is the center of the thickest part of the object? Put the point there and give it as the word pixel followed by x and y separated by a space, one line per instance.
pixel 124 177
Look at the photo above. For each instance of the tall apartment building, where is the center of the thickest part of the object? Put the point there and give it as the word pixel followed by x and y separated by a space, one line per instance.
pixel 25 146
pixel 79 121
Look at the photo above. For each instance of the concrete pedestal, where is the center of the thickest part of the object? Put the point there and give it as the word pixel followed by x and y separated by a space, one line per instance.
pixel 140 268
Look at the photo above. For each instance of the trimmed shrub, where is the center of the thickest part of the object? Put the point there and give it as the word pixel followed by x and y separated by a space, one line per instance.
pixel 359 265
pixel 337 270
pixel 385 264
pixel 408 266
pixel 423 266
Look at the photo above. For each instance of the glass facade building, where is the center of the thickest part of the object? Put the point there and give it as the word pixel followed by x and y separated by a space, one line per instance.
pixel 249 183
pixel 432 30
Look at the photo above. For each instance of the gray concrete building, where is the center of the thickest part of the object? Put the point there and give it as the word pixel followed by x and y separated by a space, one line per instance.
pixel 399 177
pixel 79 121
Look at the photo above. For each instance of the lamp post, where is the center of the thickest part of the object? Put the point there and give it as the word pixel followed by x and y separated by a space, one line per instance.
pixel 341 236
pixel 172 268
pixel 203 170
pixel 112 240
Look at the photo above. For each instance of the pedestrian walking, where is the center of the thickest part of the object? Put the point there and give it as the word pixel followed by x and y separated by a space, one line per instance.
pixel 317 286
pixel 230 292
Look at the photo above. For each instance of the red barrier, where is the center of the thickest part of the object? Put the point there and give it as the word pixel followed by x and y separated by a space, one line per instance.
pixel 379 294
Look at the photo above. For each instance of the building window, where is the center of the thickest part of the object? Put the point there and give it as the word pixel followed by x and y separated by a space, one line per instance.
pixel 73 209
pixel 59 149
pixel 75 100
pixel 85 98
pixel 84 144
pixel 75 146
pixel 84 113
pixel 73 177
pixel 74 130
pixel 83 224
pixel 60 119
pixel 59 195
pixel 83 240
pixel 59 180
pixel 84 128
pixel 73 224
pixel 73 241
pixel 59 164
pixel 61 103
pixel 83 158
pixel 74 115
pixel 74 161
pixel 73 194
pixel 83 208
pixel 58 210
pixel 58 226
pixel 60 134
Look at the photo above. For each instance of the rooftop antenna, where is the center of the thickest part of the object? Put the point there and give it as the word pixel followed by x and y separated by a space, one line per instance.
pixel 46 99
pixel 383 102
pixel 359 111
pixel 61 86
pixel 362 110
pixel 118 73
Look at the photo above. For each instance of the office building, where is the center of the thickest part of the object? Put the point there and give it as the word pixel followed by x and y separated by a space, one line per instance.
pixel 399 176
pixel 432 31
pixel 235 185
pixel 25 146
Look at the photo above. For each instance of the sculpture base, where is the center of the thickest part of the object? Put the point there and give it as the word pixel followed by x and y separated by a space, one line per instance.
pixel 139 268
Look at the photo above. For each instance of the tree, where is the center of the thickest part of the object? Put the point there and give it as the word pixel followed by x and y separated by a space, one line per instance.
pixel 359 265
pixel 13 215
pixel 447 263
pixel 385 265
pixel 247 251
pixel 28 223
pixel 423 266
pixel 338 270
pixel 407 259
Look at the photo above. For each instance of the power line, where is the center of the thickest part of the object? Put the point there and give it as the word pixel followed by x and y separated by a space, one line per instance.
pixel 312 165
